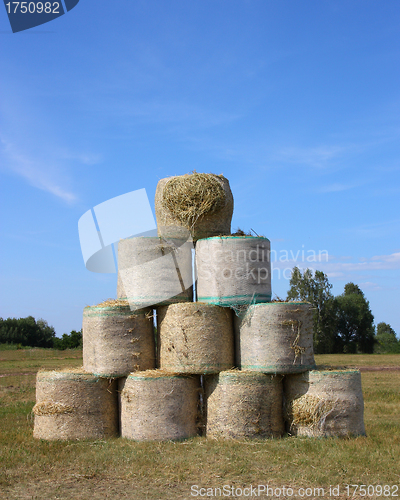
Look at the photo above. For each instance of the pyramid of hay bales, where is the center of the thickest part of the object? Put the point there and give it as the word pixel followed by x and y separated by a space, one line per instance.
pixel 223 361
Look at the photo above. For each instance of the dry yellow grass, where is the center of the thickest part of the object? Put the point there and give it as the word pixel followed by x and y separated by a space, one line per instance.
pixel 122 469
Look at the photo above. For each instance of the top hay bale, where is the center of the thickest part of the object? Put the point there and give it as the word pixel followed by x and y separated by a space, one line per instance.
pixel 199 203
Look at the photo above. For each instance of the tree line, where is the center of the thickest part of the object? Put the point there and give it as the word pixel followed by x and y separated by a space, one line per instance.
pixel 342 324
pixel 28 332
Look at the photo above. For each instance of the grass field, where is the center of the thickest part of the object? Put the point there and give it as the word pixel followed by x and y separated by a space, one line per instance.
pixel 122 469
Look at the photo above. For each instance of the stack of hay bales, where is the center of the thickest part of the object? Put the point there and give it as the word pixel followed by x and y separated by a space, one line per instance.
pixel 231 364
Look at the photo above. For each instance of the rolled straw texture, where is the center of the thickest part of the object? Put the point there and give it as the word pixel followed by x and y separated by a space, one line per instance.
pixel 158 406
pixel 72 404
pixel 154 271
pixel 116 340
pixel 242 404
pixel 324 403
pixel 195 338
pixel 200 203
pixel 275 338
pixel 233 270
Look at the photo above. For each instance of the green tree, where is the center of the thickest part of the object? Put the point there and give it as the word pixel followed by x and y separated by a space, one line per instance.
pixel 26 331
pixel 386 340
pixel 355 322
pixel 71 341
pixel 47 333
pixel 316 289
pixel 10 333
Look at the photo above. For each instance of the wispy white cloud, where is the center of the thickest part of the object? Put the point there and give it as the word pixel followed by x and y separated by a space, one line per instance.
pixel 369 285
pixel 333 266
pixel 36 171
pixel 318 156
pixel 337 187
pixel 390 260
pixel 84 158
pixel 32 144
pixel 376 263
pixel 376 230
pixel 171 112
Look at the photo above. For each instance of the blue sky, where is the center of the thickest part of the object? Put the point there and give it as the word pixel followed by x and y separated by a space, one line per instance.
pixel 295 102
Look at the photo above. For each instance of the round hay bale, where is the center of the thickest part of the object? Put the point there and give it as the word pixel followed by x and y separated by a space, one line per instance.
pixel 275 338
pixel 200 203
pixel 243 404
pixel 73 404
pixel 195 338
pixel 154 271
pixel 158 406
pixel 324 403
pixel 233 270
pixel 117 341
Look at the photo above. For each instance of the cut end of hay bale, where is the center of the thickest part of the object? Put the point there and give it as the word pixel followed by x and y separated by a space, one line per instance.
pixel 111 303
pixel 308 410
pixel 79 370
pixel 51 408
pixel 74 405
pixel 191 196
pixel 324 403
pixel 158 374
pixel 240 232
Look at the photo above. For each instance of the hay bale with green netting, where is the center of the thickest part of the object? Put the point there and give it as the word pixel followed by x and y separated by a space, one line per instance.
pixel 74 404
pixel 198 202
pixel 233 270
pixel 243 404
pixel 116 340
pixel 275 338
pixel 157 406
pixel 195 338
pixel 324 403
pixel 154 271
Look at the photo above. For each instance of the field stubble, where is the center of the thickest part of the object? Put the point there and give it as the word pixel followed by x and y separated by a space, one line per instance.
pixel 119 468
